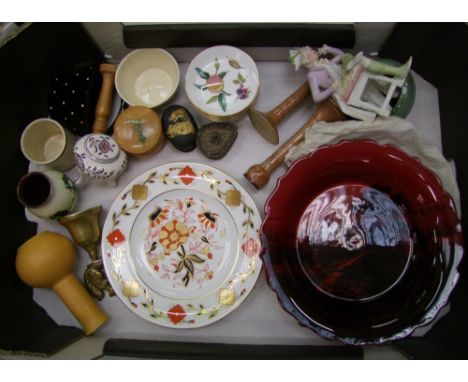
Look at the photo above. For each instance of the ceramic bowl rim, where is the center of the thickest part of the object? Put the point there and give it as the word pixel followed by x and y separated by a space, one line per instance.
pixel 142 51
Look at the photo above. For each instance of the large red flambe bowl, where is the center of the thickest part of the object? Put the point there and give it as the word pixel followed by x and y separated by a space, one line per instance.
pixel 361 243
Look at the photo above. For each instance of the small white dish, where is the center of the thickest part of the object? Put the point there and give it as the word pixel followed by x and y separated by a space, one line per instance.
pixel 147 77
pixel 222 83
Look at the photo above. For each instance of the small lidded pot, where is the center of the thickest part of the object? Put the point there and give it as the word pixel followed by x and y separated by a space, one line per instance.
pixel 138 131
pixel 99 157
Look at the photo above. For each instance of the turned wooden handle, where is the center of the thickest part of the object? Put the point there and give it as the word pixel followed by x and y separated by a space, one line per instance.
pixel 259 174
pixel 104 102
pixel 277 114
pixel 81 304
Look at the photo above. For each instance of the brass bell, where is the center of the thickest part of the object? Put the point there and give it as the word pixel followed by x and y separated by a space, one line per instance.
pixel 86 233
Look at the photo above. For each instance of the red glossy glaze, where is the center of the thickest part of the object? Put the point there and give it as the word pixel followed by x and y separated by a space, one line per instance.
pixel 358 240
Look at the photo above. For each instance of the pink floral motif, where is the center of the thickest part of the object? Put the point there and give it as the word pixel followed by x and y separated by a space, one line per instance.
pixel 251 247
pixel 203 275
pixel 154 231
pixel 183 211
pixel 166 271
pixel 195 246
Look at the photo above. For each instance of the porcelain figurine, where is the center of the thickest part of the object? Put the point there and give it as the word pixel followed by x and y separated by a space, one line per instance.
pixel 47 194
pixel 362 87
pixel 324 73
pixel 99 157
pixel 370 85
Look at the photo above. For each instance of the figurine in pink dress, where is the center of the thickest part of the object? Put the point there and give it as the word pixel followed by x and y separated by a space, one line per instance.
pixel 362 87
pixel 324 69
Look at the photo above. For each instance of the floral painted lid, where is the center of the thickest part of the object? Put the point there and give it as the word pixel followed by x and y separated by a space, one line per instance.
pixel 181 245
pixel 222 81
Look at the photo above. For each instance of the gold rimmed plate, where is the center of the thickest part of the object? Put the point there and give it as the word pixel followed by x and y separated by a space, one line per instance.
pixel 181 245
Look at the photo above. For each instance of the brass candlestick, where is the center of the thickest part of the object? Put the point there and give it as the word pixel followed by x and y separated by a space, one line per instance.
pixel 85 231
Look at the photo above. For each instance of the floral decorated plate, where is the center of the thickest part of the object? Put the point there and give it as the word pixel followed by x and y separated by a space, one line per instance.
pixel 181 245
pixel 222 82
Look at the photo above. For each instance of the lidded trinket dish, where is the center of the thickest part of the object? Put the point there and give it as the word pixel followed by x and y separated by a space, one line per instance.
pixel 138 131
pixel 99 157
pixel 222 83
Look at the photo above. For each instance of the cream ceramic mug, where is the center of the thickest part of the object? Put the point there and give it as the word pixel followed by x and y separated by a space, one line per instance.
pixel 47 194
pixel 46 142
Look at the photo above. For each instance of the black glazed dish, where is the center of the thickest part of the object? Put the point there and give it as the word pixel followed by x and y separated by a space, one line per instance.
pixel 368 251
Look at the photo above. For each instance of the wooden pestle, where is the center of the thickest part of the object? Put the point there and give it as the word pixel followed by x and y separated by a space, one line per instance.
pixel 104 102
pixel 259 174
pixel 267 123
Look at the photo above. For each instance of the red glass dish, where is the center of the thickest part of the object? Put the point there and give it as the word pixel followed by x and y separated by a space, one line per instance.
pixel 359 242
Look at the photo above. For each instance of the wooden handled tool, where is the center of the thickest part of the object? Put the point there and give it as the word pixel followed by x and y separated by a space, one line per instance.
pixel 267 123
pixel 259 174
pixel 104 102
pixel 47 261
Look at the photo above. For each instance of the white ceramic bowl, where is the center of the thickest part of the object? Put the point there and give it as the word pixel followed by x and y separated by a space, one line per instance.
pixel 222 82
pixel 147 77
